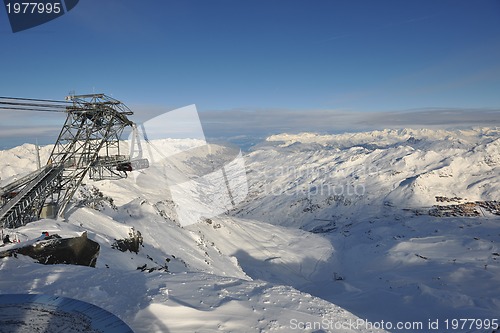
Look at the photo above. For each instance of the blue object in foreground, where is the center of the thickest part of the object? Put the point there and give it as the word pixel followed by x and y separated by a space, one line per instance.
pixel 32 312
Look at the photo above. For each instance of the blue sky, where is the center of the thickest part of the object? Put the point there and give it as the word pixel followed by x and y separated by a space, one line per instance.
pixel 348 56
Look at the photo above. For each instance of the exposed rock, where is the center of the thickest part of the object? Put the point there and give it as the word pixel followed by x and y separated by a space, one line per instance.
pixel 145 268
pixel 132 244
pixel 56 250
pixel 93 197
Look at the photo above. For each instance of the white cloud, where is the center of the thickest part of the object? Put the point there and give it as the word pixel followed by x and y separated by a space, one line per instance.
pixel 239 124
pixel 265 122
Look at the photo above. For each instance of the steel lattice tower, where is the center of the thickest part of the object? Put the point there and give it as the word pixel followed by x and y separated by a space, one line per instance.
pixel 89 143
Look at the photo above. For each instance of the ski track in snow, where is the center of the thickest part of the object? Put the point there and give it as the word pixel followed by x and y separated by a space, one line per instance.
pixel 257 268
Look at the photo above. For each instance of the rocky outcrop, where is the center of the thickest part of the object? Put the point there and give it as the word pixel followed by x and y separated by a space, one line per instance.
pixel 132 244
pixel 56 250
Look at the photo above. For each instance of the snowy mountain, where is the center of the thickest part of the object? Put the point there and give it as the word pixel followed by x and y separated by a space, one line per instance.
pixel 372 193
pixel 315 176
pixel 334 235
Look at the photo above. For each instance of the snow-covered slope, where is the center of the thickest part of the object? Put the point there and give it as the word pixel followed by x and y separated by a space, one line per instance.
pixel 296 180
pixel 375 252
pixel 203 289
pixel 224 274
pixel 370 194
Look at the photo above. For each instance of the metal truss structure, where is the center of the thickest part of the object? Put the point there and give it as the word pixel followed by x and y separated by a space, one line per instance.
pixel 88 144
